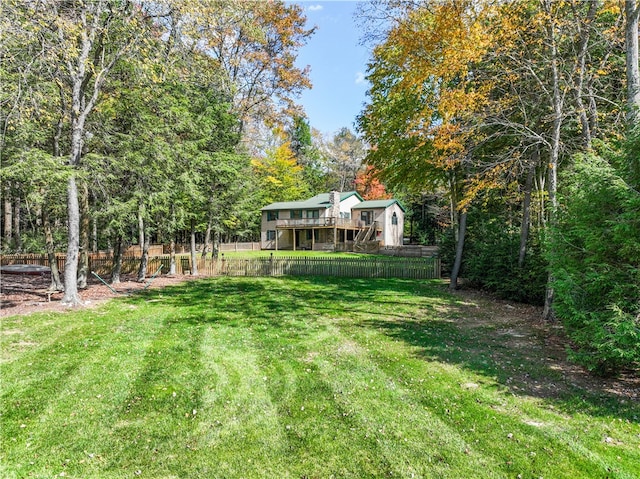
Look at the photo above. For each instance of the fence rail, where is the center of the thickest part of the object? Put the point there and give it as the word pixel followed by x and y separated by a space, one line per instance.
pixel 390 267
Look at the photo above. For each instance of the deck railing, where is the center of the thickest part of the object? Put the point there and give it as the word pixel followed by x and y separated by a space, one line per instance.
pixel 320 222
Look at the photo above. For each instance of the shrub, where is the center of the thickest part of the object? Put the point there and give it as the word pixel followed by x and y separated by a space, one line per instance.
pixel 595 260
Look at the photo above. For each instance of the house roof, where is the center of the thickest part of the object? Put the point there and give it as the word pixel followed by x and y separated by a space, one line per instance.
pixel 319 201
pixel 376 204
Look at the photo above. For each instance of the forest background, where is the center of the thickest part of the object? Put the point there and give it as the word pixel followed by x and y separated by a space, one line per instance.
pixel 508 129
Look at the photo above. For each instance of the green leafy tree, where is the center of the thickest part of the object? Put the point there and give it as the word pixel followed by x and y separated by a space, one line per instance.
pixel 595 261
pixel 279 175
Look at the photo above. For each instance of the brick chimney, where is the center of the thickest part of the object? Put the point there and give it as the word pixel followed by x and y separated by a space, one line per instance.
pixel 334 199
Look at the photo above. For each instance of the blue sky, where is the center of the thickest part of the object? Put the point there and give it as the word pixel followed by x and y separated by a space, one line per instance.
pixel 338 64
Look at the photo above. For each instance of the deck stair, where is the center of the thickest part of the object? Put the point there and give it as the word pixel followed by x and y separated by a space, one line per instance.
pixel 368 234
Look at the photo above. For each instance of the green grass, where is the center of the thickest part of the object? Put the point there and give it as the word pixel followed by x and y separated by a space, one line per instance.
pixel 296 254
pixel 296 378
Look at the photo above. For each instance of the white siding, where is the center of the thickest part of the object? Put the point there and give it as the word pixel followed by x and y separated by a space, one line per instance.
pixel 347 204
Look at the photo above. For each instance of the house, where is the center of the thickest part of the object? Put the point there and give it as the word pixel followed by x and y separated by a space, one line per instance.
pixel 336 221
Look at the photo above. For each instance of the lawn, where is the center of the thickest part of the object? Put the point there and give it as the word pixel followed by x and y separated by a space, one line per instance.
pixel 294 254
pixel 299 378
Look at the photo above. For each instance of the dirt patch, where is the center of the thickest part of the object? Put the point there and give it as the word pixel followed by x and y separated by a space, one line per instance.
pixel 522 328
pixel 26 294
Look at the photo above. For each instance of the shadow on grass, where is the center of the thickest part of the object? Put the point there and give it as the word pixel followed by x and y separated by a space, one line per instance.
pixel 404 310
pixel 524 367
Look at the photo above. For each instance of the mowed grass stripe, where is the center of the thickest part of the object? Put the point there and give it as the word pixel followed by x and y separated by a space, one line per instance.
pixel 321 436
pixel 490 425
pixel 414 440
pixel 155 420
pixel 520 435
pixel 238 431
pixel 65 396
pixel 26 334
pixel 295 408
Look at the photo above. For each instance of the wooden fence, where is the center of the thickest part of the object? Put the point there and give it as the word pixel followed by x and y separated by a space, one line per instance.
pixel 414 268
pixel 375 267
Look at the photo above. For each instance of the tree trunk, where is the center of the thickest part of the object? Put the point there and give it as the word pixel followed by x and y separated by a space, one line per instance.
pixel 172 244
pixel 17 213
pixel 584 27
pixel 145 238
pixel 71 296
pixel 117 261
pixel 8 219
pixel 194 257
pixel 56 283
pixel 632 12
pixel 457 264
pixel 207 239
pixel 83 266
pixel 141 226
pixel 526 211
pixel 557 104
pixel 172 255
pixel 94 235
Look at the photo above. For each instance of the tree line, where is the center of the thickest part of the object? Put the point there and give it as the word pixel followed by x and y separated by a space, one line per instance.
pixel 130 121
pixel 522 117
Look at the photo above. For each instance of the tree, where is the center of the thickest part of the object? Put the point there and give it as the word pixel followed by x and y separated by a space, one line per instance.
pixel 423 101
pixel 255 44
pixel 369 186
pixel 345 154
pixel 280 175
pixel 81 42
pixel 595 262
pixel 632 14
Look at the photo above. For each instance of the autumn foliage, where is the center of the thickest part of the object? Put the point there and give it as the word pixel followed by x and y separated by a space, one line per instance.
pixel 369 186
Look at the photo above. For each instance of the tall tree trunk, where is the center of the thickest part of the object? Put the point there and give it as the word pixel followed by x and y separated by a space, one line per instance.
pixel 8 218
pixel 172 244
pixel 56 283
pixel 83 266
pixel 207 238
pixel 145 238
pixel 116 268
pixel 457 264
pixel 71 296
pixel 584 28
pixel 172 255
pixel 632 12
pixel 526 210
pixel 94 235
pixel 17 214
pixel 216 245
pixel 557 105
pixel 194 256
pixel 141 226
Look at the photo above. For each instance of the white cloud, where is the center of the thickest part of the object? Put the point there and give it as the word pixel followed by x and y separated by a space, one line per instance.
pixel 360 79
pixel 315 8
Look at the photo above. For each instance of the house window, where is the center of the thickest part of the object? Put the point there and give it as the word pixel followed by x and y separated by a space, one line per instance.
pixel 296 214
pixel 394 219
pixel 271 235
pixel 313 234
pixel 366 217
pixel 312 214
pixel 272 215
pixel 345 215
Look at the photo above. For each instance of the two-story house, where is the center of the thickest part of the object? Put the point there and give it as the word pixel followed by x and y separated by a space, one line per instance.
pixel 331 221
